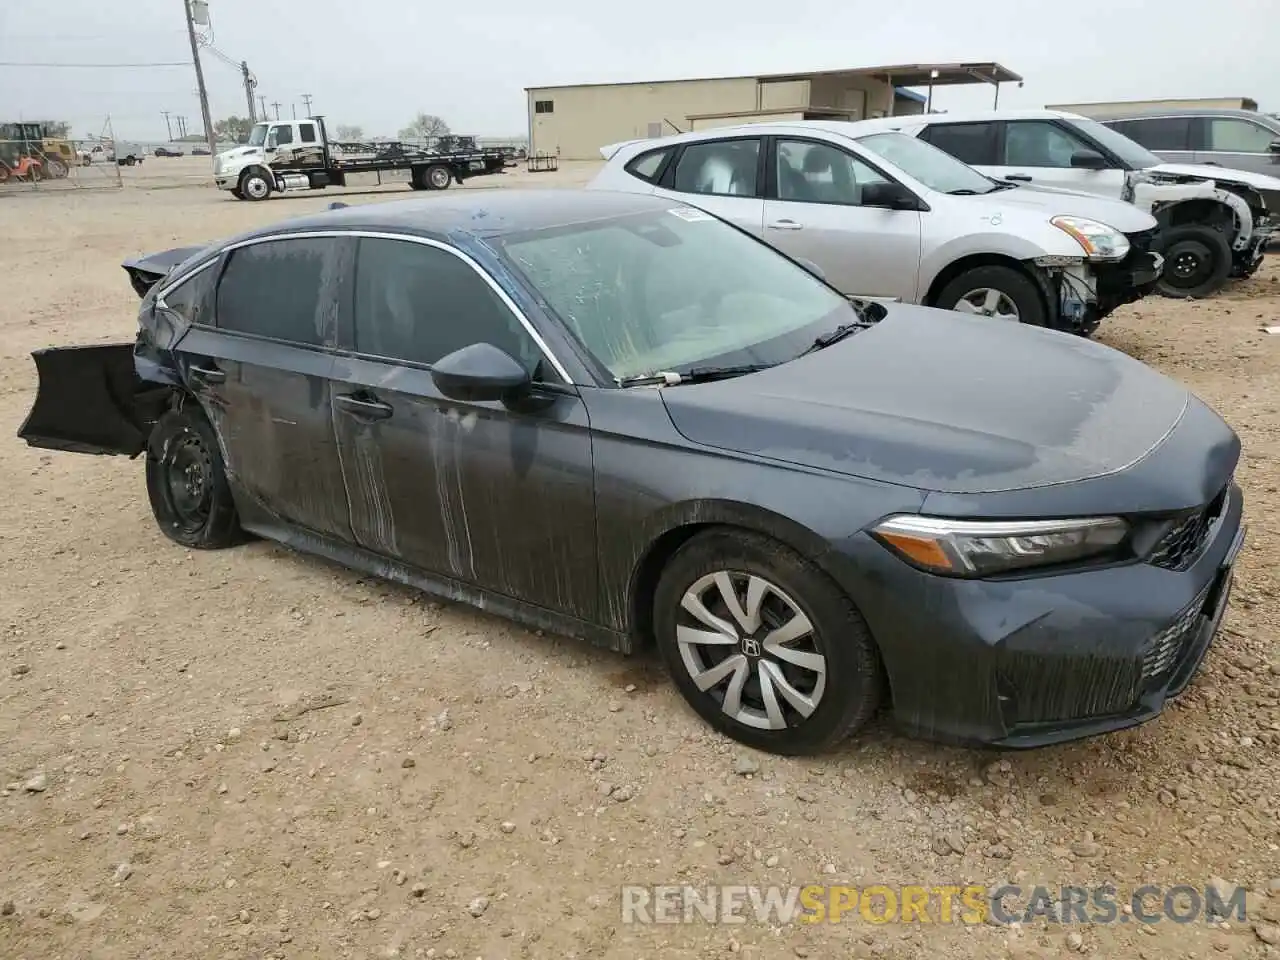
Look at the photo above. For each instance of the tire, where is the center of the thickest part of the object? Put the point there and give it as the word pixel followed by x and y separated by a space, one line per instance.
pixel 1014 295
pixel 235 192
pixel 1197 262
pixel 841 697
pixel 56 168
pixel 254 185
pixel 437 177
pixel 417 181
pixel 187 482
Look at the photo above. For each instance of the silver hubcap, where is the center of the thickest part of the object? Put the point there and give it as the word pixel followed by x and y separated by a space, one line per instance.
pixel 439 178
pixel 749 646
pixel 986 302
pixel 255 187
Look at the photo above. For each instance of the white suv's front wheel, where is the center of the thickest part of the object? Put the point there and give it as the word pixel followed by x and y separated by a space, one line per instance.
pixel 1001 293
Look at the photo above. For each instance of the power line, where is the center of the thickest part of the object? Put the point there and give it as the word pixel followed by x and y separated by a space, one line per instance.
pixel 96 66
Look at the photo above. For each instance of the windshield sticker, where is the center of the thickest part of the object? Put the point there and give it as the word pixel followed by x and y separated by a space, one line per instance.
pixel 690 214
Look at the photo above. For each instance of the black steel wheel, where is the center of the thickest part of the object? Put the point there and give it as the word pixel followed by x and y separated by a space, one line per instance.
pixel 187 483
pixel 763 645
pixel 1197 262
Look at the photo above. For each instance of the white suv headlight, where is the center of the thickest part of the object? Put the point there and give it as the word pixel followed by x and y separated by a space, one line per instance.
pixel 976 548
pixel 1100 241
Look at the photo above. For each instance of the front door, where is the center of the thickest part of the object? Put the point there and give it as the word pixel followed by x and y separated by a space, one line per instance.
pixel 261 374
pixel 491 495
pixel 1240 144
pixel 816 214
pixel 1039 152
pixel 722 177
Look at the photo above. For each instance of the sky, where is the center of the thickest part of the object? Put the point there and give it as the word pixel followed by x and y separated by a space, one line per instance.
pixel 376 63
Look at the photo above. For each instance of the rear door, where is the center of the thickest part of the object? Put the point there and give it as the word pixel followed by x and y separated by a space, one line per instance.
pixel 813 210
pixel 261 372
pixel 488 494
pixel 1039 152
pixel 723 177
pixel 1170 138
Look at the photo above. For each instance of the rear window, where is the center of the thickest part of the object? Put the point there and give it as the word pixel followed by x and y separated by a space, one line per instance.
pixel 272 289
pixel 1157 133
pixel 647 166
pixel 972 143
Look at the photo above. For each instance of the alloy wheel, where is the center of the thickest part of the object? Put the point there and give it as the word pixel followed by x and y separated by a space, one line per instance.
pixel 750 647
pixel 988 302
pixel 256 187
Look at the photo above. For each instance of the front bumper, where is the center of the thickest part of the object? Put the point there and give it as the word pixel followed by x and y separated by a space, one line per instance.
pixel 1132 278
pixel 1043 660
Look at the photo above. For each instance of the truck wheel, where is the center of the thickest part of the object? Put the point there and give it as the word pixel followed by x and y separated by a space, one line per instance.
pixel 1001 293
pixel 254 185
pixel 1197 262
pixel 438 177
pixel 55 167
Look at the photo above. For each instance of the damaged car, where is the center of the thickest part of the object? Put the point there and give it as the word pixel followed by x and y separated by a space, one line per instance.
pixel 1216 222
pixel 620 418
pixel 887 217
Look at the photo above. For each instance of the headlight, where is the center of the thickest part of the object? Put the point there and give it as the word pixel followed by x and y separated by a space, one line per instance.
pixel 1100 241
pixel 976 548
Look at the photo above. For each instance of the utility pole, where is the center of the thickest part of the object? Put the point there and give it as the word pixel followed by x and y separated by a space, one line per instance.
pixel 182 127
pixel 249 84
pixel 204 94
pixel 168 129
pixel 276 105
pixel 263 100
pixel 294 108
pixel 306 99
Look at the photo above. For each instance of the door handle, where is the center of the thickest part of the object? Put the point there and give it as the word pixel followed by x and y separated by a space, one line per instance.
pixel 363 409
pixel 208 375
pixel 1022 177
pixel 786 225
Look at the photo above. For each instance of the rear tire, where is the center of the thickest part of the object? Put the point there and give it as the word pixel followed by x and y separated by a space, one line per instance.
pixel 438 177
pixel 1197 262
pixel 187 482
pixel 1009 294
pixel 825 683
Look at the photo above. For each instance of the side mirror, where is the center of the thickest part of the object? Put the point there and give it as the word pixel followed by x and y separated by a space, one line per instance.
pixel 1088 160
pixel 1274 146
pixel 811 267
pixel 478 373
pixel 890 195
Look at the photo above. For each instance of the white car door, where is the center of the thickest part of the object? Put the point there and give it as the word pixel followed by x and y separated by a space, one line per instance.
pixel 721 177
pixel 817 214
pixel 1041 152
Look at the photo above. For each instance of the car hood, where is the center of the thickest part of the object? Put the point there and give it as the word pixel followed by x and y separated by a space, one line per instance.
pixel 1052 202
pixel 1205 171
pixel 944 403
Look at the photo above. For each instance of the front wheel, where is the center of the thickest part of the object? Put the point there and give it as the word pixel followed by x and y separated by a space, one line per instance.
pixel 1197 262
pixel 254 185
pixel 763 645
pixel 1001 293
pixel 187 482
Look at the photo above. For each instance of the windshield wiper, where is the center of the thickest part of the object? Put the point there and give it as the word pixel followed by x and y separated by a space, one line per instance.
pixel 669 378
pixel 870 312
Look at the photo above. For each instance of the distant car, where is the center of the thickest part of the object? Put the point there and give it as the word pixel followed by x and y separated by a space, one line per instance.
pixel 1216 221
pixel 166 152
pixel 884 215
pixel 200 151
pixel 1237 139
pixel 618 417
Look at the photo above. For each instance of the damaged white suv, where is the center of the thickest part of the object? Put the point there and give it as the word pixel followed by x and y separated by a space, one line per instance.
pixel 1216 222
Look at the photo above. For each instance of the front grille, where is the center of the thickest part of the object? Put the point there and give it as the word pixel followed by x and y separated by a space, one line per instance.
pixel 1045 688
pixel 1182 543
pixel 1165 648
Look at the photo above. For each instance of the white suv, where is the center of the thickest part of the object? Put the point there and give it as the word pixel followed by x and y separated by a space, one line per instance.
pixel 1216 221
pixel 888 217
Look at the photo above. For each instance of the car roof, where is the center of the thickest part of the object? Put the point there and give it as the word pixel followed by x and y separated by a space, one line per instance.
pixel 1224 112
pixel 488 213
pixel 963 116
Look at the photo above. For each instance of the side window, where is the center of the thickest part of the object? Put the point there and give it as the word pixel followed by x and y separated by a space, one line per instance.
pixel 1239 136
pixel 283 134
pixel 544 106
pixel 419 303
pixel 724 168
pixel 192 299
pixel 1039 143
pixel 272 289
pixel 811 172
pixel 1157 133
pixel 971 143
pixel 307 132
pixel 647 165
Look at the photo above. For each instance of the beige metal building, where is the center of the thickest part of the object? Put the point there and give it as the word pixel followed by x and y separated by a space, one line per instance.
pixel 574 122
pixel 1120 107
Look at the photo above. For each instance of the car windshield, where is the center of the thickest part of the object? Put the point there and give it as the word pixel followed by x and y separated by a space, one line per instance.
pixel 674 290
pixel 258 135
pixel 924 162
pixel 1130 152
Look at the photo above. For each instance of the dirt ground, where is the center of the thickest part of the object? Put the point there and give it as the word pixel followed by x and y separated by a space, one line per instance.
pixel 468 789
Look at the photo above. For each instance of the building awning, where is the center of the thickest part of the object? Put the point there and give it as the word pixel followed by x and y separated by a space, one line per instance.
pixel 942 74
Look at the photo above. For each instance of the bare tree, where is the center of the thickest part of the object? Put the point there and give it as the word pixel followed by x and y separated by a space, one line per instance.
pixel 425 126
pixel 347 131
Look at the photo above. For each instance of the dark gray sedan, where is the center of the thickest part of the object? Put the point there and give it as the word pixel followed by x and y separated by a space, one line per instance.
pixel 617 417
